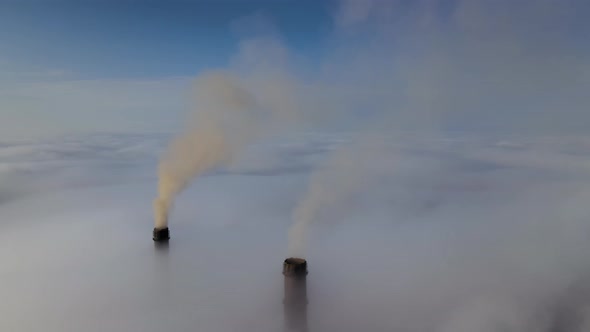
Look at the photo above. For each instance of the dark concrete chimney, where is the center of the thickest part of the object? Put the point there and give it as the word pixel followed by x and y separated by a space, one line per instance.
pixel 161 234
pixel 295 301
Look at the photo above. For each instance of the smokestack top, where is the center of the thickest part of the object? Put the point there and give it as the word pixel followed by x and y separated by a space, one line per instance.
pixel 161 234
pixel 295 267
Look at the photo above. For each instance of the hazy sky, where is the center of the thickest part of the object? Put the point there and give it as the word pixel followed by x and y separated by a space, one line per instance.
pixel 122 64
pixel 89 65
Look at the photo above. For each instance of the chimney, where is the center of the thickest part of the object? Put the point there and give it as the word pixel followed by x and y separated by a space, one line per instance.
pixel 161 234
pixel 295 301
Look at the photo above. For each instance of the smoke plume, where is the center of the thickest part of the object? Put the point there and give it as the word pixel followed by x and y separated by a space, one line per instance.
pixel 435 67
pixel 219 126
pixel 346 171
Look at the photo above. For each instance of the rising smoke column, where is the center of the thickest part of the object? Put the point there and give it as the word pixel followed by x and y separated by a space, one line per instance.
pixel 220 124
pixel 347 170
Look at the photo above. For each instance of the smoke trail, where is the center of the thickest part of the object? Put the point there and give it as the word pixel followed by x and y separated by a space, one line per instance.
pixel 346 171
pixel 210 139
pixel 447 80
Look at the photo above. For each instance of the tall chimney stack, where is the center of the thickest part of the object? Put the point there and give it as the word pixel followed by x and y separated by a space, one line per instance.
pixel 295 301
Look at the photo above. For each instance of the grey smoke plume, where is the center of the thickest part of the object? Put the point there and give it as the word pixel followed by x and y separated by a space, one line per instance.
pixel 511 67
pixel 221 124
pixel 346 171
pixel 503 68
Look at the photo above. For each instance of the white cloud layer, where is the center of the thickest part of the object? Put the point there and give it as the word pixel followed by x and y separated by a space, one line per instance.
pixel 450 233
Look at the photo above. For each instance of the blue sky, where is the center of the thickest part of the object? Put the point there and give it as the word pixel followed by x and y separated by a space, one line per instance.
pixel 111 39
pixel 127 66
pixel 89 65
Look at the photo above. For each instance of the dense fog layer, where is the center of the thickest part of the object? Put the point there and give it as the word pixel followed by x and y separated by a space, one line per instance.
pixel 454 233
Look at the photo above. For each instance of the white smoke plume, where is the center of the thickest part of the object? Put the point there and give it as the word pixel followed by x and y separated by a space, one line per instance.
pixel 346 171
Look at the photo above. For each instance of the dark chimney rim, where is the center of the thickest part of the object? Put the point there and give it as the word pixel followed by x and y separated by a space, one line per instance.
pixel 295 261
